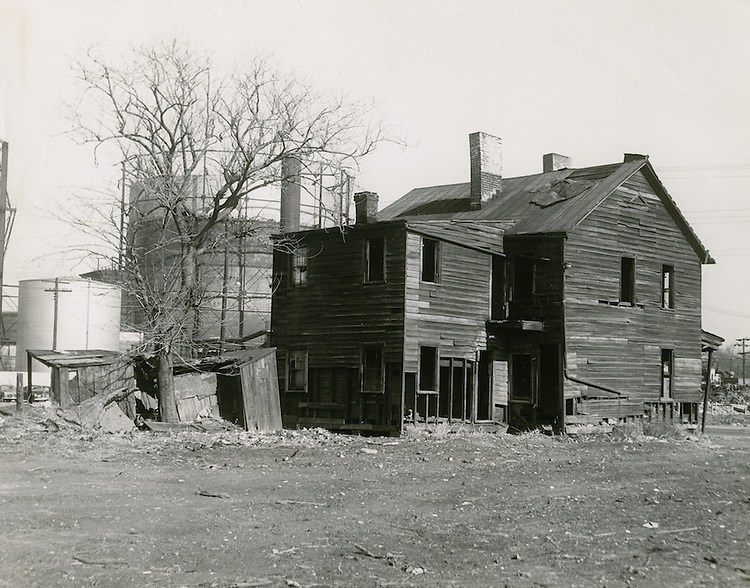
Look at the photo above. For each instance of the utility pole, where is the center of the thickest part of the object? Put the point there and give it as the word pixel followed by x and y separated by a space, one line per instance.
pixel 56 291
pixel 742 342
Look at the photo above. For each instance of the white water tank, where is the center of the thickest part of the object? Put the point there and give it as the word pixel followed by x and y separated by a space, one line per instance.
pixel 87 317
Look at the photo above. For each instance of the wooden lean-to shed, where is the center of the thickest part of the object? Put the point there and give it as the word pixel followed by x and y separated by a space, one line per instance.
pixel 79 375
pixel 247 389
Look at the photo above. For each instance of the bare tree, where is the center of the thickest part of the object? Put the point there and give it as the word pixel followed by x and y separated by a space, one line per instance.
pixel 176 125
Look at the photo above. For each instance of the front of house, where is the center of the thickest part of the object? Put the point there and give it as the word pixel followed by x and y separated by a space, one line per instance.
pixel 564 297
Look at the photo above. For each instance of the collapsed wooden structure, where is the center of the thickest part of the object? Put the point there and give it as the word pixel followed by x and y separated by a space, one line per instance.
pixel 239 386
pixel 565 297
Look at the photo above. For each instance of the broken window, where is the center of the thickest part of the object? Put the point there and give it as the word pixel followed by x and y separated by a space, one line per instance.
pixel 667 286
pixel 430 260
pixel 297 370
pixel 667 380
pixel 372 369
pixel 627 280
pixel 299 266
pixel 428 368
pixel 375 260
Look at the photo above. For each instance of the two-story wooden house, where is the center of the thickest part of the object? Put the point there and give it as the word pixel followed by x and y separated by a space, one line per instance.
pixel 571 295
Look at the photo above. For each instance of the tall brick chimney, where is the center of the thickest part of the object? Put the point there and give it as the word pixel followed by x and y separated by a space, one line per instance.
pixel 291 169
pixel 366 205
pixel 555 161
pixel 486 156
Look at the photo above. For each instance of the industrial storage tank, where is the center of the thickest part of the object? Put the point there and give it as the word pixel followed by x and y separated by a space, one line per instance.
pixel 66 314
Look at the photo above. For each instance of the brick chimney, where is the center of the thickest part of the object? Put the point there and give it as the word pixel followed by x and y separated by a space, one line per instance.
pixel 486 157
pixel 366 205
pixel 555 161
pixel 291 169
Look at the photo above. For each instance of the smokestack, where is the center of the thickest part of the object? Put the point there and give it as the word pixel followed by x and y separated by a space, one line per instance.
pixel 555 161
pixel 486 157
pixel 291 169
pixel 366 204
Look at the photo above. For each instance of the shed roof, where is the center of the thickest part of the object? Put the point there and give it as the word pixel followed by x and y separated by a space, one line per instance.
pixel 74 359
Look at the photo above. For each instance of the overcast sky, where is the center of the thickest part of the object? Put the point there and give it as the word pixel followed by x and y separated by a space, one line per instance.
pixel 589 79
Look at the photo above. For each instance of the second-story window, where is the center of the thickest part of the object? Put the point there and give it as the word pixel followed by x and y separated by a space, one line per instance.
pixel 523 279
pixel 299 266
pixel 430 260
pixel 627 280
pixel 667 286
pixel 375 260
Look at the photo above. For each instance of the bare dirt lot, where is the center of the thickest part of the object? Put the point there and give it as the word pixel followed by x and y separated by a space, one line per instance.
pixel 310 508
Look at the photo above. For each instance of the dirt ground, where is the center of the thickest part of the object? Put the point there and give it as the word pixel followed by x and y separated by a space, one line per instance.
pixel 432 508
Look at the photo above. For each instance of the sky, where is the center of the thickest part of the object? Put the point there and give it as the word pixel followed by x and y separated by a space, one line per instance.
pixel 591 79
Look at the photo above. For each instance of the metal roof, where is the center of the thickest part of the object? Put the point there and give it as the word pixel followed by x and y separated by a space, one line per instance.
pixel 547 203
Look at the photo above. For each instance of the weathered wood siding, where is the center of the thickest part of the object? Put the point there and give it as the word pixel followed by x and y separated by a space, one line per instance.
pixel 335 314
pixel 620 346
pixel 450 314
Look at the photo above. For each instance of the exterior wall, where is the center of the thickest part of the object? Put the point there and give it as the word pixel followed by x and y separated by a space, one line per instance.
pixel 450 314
pixel 332 318
pixel 619 346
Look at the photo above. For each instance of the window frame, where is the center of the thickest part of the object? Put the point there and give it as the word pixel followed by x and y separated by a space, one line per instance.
pixel 435 375
pixel 368 262
pixel 627 280
pixel 380 367
pixel 435 266
pixel 291 361
pixel 300 252
pixel 528 267
pixel 666 375
pixel 667 286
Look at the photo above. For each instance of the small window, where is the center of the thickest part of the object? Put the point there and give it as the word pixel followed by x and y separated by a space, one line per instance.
pixel 667 365
pixel 428 368
pixel 523 278
pixel 627 280
pixel 667 286
pixel 372 369
pixel 297 370
pixel 299 266
pixel 430 260
pixel 375 260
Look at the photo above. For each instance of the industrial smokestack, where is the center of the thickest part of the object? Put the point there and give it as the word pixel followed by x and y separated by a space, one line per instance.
pixel 291 170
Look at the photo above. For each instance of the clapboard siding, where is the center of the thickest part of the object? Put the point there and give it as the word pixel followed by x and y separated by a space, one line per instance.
pixel 450 314
pixel 335 314
pixel 620 346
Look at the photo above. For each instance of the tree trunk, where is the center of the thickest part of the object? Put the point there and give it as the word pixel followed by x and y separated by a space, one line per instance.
pixel 165 380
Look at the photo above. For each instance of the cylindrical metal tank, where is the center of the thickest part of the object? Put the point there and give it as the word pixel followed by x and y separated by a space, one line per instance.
pixel 66 314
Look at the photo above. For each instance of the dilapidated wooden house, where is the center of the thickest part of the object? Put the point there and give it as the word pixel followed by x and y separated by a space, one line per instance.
pixel 564 297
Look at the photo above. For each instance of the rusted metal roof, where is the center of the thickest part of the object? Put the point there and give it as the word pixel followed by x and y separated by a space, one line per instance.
pixel 548 203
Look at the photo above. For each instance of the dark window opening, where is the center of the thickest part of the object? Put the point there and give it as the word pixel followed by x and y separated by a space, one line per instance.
pixel 498 308
pixel 667 286
pixel 297 370
pixel 523 279
pixel 627 280
pixel 375 260
pixel 299 266
pixel 667 373
pixel 430 260
pixel 372 369
pixel 428 368
pixel 521 378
